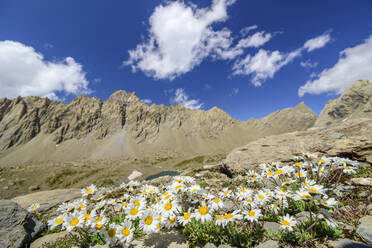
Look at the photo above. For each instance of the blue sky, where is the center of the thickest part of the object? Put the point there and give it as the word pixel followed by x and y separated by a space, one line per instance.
pixel 247 57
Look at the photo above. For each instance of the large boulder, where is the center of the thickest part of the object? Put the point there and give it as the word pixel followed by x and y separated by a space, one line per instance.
pixel 352 139
pixel 18 227
pixel 48 199
pixel 355 102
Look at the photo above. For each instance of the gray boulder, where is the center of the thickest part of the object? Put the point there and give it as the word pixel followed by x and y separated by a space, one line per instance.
pixel 365 229
pixel 18 227
pixel 346 243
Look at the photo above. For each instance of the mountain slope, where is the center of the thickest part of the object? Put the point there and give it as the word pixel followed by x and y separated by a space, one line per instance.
pixel 38 129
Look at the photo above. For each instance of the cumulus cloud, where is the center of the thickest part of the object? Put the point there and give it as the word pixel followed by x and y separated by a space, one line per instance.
pixel 354 63
pixel 308 64
pixel 264 64
pixel 317 42
pixel 180 37
pixel 24 72
pixel 147 101
pixel 180 97
pixel 246 30
pixel 256 40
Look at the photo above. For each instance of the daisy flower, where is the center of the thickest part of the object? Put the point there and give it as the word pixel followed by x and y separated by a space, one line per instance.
pixel 349 170
pixel 133 212
pixel 302 194
pixel 171 221
pixel 230 217
pixel 287 222
pixel 194 189
pixel 262 197
pixel 73 221
pixel 252 215
pixel 203 214
pixel 225 193
pixel 315 189
pixel 97 223
pixel 33 207
pixel 149 222
pixel 111 233
pixel 80 204
pixel 301 173
pixel 186 218
pixel 169 208
pixel 219 220
pixel 125 232
pixel 89 190
pixel 249 202
pixel 189 179
pixel 331 202
pixel 138 202
pixel 216 203
pixel 57 221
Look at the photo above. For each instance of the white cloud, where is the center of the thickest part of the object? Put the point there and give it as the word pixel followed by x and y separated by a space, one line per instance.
pixel 354 64
pixel 308 64
pixel 24 72
pixel 180 37
pixel 97 80
pixel 263 65
pixel 256 40
pixel 147 101
pixel 317 42
pixel 182 98
pixel 246 30
pixel 234 92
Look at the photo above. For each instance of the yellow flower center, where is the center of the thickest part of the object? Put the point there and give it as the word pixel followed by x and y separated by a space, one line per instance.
pixel 269 173
pixel 34 207
pixel 167 197
pixel 228 216
pixel 137 203
pixel 99 219
pixel 285 223
pixel 305 196
pixel 59 221
pixel 74 222
pixel 203 210
pixel 226 192
pixel 313 190
pixel 172 220
pixel 86 217
pixel 178 186
pixel 298 164
pixel 321 161
pixel 166 193
pixel 186 216
pixel 168 206
pixel 133 211
pixel 149 220
pixel 243 191
pixel 283 188
pixel 287 182
pixel 99 227
pixel 125 232
pixel 89 191
pixel 253 179
pixel 80 207
pixel 179 180
pixel 111 233
pixel 252 213
pixel 216 200
pixel 249 201
pixel 321 171
pixel 347 168
pixel 261 197
pixel 124 204
pixel 278 172
pixel 219 217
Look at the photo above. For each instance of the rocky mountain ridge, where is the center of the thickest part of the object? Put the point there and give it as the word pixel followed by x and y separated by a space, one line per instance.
pixel 124 126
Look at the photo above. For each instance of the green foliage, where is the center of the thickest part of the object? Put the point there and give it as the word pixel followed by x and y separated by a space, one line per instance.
pixel 233 234
pixel 82 241
pixel 59 178
pixel 196 160
pixel 363 172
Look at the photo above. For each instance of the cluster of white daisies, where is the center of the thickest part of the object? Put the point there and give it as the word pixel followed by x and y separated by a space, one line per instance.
pixel 150 209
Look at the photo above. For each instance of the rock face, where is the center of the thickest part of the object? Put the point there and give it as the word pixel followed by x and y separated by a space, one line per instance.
pixel 351 139
pixel 17 226
pixel 48 199
pixel 354 103
pixel 365 229
pixel 38 129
